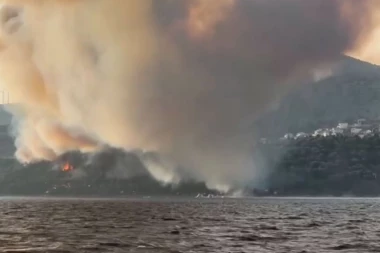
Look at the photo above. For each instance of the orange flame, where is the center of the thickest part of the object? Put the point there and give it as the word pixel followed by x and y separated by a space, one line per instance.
pixel 67 167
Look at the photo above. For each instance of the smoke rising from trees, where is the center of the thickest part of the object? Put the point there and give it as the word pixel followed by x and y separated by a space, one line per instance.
pixel 177 82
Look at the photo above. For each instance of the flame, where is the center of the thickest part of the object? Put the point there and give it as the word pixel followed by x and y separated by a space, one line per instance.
pixel 67 167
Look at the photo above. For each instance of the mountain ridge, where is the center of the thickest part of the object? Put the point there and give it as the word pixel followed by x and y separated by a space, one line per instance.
pixel 351 93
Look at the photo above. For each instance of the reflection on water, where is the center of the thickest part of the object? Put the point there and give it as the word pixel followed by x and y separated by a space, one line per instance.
pixel 223 225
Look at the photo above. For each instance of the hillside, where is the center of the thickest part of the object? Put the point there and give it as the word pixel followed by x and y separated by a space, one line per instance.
pixel 95 179
pixel 325 166
pixel 353 92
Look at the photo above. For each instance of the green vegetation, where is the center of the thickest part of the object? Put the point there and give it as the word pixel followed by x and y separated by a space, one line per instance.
pixel 41 179
pixel 325 166
pixel 339 165
pixel 352 93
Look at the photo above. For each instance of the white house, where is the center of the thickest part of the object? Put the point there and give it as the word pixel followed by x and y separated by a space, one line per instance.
pixel 355 130
pixel 342 125
pixel 288 136
pixel 301 135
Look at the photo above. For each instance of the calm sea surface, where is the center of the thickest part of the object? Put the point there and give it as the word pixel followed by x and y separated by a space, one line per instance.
pixel 162 225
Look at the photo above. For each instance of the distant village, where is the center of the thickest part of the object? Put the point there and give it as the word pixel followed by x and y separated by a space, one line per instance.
pixel 360 128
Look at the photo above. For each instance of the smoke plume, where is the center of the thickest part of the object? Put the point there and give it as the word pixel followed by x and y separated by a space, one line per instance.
pixel 177 82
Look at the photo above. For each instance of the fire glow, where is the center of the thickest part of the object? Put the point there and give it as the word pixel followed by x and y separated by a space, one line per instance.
pixel 67 167
pixel 178 83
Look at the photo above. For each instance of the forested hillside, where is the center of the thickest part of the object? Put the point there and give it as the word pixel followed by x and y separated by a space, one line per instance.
pixel 353 92
pixel 324 166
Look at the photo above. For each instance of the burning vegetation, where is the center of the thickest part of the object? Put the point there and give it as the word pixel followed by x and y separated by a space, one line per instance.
pixel 67 167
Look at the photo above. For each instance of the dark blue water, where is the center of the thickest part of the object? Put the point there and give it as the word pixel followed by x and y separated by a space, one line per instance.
pixel 162 225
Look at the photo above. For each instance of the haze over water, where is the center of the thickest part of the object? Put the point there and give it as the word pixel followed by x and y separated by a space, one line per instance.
pixel 188 225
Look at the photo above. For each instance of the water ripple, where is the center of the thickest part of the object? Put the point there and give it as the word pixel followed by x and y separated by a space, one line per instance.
pixel 240 225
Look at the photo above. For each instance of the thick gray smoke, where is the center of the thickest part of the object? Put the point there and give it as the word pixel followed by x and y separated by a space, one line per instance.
pixel 178 82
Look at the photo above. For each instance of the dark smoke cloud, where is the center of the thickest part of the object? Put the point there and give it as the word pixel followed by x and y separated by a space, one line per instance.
pixel 259 47
pixel 275 36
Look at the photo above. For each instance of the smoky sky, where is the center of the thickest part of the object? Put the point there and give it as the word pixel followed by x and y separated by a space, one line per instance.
pixel 258 48
pixel 273 36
